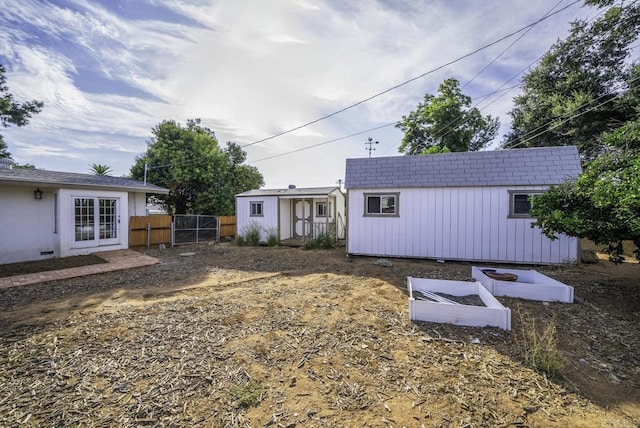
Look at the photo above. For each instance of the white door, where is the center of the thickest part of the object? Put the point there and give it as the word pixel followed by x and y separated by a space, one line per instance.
pixel 301 218
pixel 96 222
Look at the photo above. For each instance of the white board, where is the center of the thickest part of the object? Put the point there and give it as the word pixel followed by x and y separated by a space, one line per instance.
pixel 530 285
pixel 492 314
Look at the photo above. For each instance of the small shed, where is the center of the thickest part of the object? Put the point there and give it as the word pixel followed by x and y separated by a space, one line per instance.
pixel 457 206
pixel 46 214
pixel 293 214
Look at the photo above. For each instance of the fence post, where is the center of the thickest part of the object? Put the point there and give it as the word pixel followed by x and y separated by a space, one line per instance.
pixel 148 235
pixel 217 229
pixel 173 235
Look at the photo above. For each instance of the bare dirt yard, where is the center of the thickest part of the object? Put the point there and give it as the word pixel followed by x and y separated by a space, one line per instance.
pixel 282 337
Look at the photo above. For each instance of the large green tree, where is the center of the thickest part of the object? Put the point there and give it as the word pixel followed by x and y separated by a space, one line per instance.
pixel 578 90
pixel 12 112
pixel 202 177
pixel 603 204
pixel 446 122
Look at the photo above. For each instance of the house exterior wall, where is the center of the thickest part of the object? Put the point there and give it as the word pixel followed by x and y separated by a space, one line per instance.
pixel 26 224
pixel 137 204
pixel 285 224
pixel 453 223
pixel 68 246
pixel 268 220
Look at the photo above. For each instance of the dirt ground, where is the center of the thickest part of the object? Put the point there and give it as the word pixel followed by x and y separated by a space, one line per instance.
pixel 12 269
pixel 257 337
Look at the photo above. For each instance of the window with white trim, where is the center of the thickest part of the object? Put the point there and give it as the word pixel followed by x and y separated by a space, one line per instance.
pixel 520 202
pixel 256 209
pixel 322 209
pixel 381 204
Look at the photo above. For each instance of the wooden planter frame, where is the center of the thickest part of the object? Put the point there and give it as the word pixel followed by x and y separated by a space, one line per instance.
pixel 492 314
pixel 531 285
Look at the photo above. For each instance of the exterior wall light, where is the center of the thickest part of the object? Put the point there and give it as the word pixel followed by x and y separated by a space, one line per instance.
pixel 37 194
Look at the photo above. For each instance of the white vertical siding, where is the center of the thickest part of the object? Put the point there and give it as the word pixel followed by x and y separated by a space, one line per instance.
pixel 286 227
pixel 457 223
pixel 269 219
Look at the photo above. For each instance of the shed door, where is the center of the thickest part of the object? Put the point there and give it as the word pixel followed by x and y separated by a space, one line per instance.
pixel 96 222
pixel 301 218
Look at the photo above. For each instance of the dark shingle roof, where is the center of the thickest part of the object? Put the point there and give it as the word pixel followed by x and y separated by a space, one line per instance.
pixel 309 191
pixel 535 166
pixel 69 179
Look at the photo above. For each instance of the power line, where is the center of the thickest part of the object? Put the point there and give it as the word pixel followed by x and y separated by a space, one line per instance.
pixel 497 90
pixel 451 126
pixel 412 79
pixel 324 142
pixel 509 47
pixel 556 125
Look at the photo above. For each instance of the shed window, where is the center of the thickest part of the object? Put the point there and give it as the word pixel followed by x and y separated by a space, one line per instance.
pixel 381 204
pixel 520 202
pixel 256 209
pixel 321 209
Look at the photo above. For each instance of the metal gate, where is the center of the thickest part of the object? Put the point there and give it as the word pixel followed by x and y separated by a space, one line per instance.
pixel 189 229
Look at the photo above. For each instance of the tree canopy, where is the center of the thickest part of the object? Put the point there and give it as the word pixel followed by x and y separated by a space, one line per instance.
pixel 202 177
pixel 446 121
pixel 12 112
pixel 603 205
pixel 583 86
pixel 585 92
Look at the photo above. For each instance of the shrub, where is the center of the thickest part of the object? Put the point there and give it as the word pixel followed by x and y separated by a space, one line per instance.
pixel 538 345
pixel 240 241
pixel 248 395
pixel 250 234
pixel 272 237
pixel 322 241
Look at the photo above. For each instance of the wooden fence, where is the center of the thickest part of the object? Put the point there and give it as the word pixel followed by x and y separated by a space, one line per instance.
pixel 149 231
pixel 227 226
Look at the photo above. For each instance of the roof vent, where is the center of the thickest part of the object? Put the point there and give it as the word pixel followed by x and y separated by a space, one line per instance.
pixel 6 163
pixel 292 186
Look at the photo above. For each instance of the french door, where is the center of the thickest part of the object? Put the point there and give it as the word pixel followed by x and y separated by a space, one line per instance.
pixel 96 221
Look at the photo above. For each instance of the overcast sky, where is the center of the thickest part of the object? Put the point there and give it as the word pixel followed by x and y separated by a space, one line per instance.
pixel 109 70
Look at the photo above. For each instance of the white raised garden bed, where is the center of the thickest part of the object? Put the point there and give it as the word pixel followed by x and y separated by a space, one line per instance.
pixel 530 284
pixel 447 311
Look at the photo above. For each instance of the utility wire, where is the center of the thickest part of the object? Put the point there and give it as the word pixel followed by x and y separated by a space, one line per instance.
pixel 549 13
pixel 451 126
pixel 325 142
pixel 412 79
pixel 556 125
pixel 510 46
pixel 497 90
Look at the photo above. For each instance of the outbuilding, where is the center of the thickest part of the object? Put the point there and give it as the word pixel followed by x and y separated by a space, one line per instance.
pixel 457 206
pixel 292 214
pixel 46 214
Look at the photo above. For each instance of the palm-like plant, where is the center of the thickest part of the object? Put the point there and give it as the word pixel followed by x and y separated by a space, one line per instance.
pixel 100 169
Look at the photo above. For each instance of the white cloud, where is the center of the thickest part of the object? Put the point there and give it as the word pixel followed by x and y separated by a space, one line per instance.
pixel 252 69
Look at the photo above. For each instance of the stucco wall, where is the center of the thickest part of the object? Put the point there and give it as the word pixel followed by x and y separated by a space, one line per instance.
pixel 26 224
pixel 456 223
